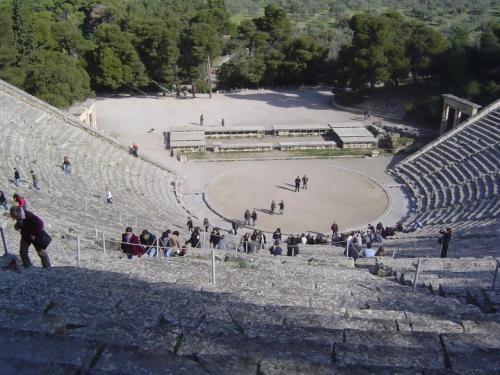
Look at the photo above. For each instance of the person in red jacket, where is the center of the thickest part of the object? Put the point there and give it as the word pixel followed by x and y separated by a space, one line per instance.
pixel 32 233
pixel 131 245
pixel 21 202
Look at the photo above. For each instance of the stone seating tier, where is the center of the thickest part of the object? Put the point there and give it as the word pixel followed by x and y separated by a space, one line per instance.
pixel 148 314
pixel 38 140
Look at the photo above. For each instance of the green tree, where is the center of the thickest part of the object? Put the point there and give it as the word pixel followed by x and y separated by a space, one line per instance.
pixel 197 44
pixel 23 30
pixel 425 45
pixel 8 50
pixel 115 61
pixel 57 78
pixel 157 45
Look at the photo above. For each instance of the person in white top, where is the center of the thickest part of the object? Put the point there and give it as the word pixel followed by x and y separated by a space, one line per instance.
pixel 368 252
pixel 109 198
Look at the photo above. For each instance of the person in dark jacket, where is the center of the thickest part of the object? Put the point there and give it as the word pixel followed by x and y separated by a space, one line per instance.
pixel 195 240
pixel 444 240
pixel 277 235
pixel 297 184
pixel 292 246
pixel 234 225
pixel 131 244
pixel 215 237
pixel 148 241
pixel 3 200
pixel 254 217
pixel 247 217
pixel 17 177
pixel 276 249
pixel 189 224
pixel 32 233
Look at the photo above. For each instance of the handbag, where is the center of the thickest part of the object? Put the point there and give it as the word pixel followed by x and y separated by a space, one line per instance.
pixel 42 241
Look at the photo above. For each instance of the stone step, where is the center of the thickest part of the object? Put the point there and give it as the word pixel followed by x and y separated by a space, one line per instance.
pixel 374 356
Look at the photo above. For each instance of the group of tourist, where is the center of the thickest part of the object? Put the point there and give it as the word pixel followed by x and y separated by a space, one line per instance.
pixel 281 206
pixel 202 120
pixel 304 180
pixel 247 216
pixel 147 244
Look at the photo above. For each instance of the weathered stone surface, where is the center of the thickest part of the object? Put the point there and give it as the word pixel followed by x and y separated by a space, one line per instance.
pixel 384 356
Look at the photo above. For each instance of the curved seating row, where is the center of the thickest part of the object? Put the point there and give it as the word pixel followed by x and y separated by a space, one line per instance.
pixel 458 178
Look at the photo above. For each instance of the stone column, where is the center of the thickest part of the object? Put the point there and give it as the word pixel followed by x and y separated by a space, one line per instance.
pixel 456 118
pixel 444 117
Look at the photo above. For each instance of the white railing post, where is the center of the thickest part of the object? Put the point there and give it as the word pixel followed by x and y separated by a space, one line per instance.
pixel 104 243
pixel 78 251
pixel 213 266
pixel 157 247
pixel 495 276
pixel 415 279
pixel 120 218
pixel 5 249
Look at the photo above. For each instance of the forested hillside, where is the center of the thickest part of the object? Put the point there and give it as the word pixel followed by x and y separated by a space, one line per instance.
pixel 66 50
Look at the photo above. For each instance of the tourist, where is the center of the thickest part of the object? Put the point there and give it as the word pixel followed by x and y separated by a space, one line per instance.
pixel 194 240
pixel 292 247
pixel 66 165
pixel 32 233
pixel 148 241
pixel 206 224
pixel 282 207
pixel 254 217
pixel 174 244
pixel 17 177
pixel 164 243
pixel 246 217
pixel 190 224
pixel 201 119
pixel 130 244
pixel 234 226
pixel 276 249
pixel 222 243
pixel 335 230
pixel 297 184
pixel 3 201
pixel 222 122
pixel 310 239
pixel 246 243
pixel 36 182
pixel 273 207
pixel 305 180
pixel 277 235
pixel 135 150
pixel 21 202
pixel 262 240
pixel 109 197
pixel 303 239
pixel 368 252
pixel 380 252
pixel 214 237
pixel 444 241
pixel 351 249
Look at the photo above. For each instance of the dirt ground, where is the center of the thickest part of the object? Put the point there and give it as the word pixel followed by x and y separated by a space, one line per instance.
pixel 336 191
pixel 333 193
